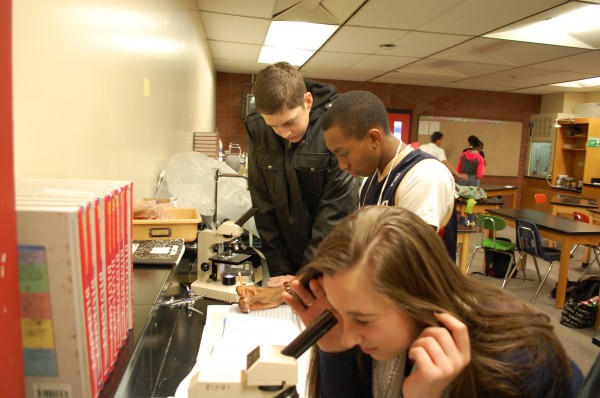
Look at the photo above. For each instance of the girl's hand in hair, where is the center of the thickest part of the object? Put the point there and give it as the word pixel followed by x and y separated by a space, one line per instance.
pixel 439 354
pixel 309 304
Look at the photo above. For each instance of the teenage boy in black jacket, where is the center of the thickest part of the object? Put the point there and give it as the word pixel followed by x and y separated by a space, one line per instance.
pixel 295 182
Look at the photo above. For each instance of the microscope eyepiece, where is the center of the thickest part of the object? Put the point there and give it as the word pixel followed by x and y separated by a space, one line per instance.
pixel 246 216
pixel 309 336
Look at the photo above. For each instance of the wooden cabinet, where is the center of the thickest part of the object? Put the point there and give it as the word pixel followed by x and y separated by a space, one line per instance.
pixel 572 154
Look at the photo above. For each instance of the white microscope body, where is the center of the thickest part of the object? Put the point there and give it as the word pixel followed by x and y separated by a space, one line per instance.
pixel 271 370
pixel 217 271
pixel 269 373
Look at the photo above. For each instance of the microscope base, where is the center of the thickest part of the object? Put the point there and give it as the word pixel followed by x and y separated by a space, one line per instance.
pixel 215 290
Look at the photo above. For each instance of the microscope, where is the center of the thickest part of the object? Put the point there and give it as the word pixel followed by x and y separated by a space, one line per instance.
pixel 271 371
pixel 218 269
pixel 218 263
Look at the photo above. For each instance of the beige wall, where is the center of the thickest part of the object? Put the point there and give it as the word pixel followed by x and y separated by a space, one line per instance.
pixel 79 67
pixel 565 102
pixel 593 96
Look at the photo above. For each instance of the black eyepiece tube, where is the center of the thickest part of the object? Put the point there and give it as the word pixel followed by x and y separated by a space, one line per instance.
pixel 246 216
pixel 309 336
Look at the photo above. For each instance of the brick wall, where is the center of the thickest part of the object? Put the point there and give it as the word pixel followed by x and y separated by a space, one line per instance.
pixel 422 100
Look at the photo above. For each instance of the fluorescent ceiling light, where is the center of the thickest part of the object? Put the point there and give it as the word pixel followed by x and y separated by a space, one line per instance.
pixel 294 42
pixel 585 83
pixel 270 55
pixel 578 27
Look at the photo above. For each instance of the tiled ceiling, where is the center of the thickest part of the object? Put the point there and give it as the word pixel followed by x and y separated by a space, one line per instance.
pixel 437 42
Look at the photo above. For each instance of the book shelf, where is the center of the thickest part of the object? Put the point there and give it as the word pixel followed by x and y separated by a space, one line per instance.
pixel 573 154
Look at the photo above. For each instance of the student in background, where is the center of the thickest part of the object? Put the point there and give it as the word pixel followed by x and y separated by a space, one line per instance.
pixel 436 149
pixel 479 147
pixel 472 140
pixel 411 324
pixel 294 181
pixel 472 164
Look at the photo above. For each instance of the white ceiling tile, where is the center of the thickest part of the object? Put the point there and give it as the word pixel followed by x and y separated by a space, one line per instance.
pixel 436 43
pixel 585 63
pixel 425 74
pixel 453 68
pixel 234 29
pixel 361 40
pixel 418 44
pixel 324 59
pixel 234 51
pixel 414 82
pixel 472 86
pixel 530 77
pixel 383 62
pixel 505 52
pixel 244 67
pixel 476 17
pixel 406 14
pixel 345 74
pixel 255 8
pixel 408 44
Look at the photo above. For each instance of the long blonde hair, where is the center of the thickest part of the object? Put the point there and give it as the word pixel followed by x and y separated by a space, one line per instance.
pixel 406 262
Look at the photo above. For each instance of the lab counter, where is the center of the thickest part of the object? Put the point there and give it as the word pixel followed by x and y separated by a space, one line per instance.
pixel 163 345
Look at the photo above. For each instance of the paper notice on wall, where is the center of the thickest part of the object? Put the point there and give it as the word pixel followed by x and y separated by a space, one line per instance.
pixel 428 127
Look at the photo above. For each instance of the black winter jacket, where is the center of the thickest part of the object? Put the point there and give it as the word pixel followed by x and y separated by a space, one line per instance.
pixel 299 189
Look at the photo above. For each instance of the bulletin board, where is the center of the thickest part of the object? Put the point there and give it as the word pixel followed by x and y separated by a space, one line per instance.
pixel 501 139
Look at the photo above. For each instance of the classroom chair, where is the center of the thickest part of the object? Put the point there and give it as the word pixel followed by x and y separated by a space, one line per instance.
pixel 490 225
pixel 540 199
pixel 577 216
pixel 529 242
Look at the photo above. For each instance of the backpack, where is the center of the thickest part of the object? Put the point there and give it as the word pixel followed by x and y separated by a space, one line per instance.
pixel 581 309
pixel 585 288
pixel 496 263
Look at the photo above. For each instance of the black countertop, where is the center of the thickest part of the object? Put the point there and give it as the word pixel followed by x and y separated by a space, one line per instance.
pixel 162 347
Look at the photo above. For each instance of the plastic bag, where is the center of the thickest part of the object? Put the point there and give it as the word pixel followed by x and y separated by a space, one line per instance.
pixel 191 179
pixel 470 192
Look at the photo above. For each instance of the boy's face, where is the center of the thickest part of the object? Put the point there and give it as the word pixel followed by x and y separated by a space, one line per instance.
pixel 359 157
pixel 291 124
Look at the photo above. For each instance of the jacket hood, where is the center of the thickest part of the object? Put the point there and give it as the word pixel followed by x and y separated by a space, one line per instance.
pixel 472 155
pixel 323 93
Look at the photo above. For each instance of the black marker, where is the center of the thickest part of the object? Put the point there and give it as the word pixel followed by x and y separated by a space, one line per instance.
pixel 309 336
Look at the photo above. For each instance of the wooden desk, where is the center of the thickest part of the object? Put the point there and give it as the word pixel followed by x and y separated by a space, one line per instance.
pixel 500 190
pixel 566 232
pixel 463 240
pixel 481 207
pixel 568 204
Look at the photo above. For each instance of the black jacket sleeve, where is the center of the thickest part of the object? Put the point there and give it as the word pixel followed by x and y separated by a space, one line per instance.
pixel 340 198
pixel 272 244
